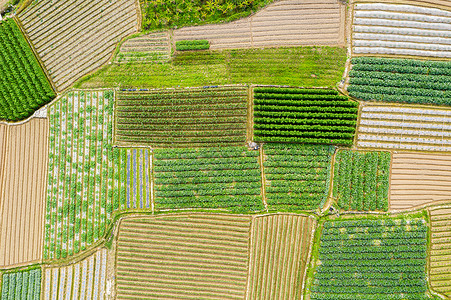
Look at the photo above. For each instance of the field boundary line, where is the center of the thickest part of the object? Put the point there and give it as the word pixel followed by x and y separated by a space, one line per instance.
pixel 250 256
pixel 309 255
pixel 250 114
pixel 263 177
pixel 152 180
pixel 330 199
pixel 390 171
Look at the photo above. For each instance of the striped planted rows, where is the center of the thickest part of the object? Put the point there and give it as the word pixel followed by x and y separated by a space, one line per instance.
pixel 297 176
pixel 314 116
pixel 23 169
pixel 278 258
pixel 361 180
pixel 440 262
pixel 21 285
pixel 419 179
pixel 282 23
pixel 192 256
pixel 24 87
pixel 75 38
pixel 86 279
pixel 227 177
pixel 181 118
pixel 406 127
pixel 372 259
pixel 80 188
pixel 401 30
pixel 134 178
pixel 400 80
pixel 152 47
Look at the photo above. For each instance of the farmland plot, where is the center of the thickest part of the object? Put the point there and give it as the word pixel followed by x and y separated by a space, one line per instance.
pixel 283 23
pixel 75 38
pixel 279 250
pixel 21 285
pixel 400 80
pixel 186 256
pixel 440 263
pixel 419 179
pixel 393 29
pixel 227 177
pixel 134 178
pixel 23 173
pixel 182 117
pixel 312 116
pixel 372 259
pixel 297 176
pixel 361 180
pixel 404 127
pixel 152 47
pixel 86 279
pixel 80 185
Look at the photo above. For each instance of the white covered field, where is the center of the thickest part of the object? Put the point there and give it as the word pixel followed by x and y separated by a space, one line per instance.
pixel 406 127
pixel 84 280
pixel 396 29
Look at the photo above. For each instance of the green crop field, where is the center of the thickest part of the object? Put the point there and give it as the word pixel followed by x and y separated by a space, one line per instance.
pixel 284 66
pixel 24 86
pixel 361 180
pixel 312 116
pixel 21 285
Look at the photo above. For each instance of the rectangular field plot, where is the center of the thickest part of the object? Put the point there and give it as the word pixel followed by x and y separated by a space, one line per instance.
pixel 279 250
pixel 80 185
pixel 82 280
pixel 181 118
pixel 404 127
pixel 152 47
pixel 228 177
pixel 297 176
pixel 440 260
pixel 381 28
pixel 23 180
pixel 21 285
pixel 372 259
pixel 361 180
pixel 400 80
pixel 313 116
pixel 419 179
pixel 134 178
pixel 192 256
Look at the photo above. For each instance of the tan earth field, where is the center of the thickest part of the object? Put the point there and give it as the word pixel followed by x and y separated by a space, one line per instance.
pixel 23 176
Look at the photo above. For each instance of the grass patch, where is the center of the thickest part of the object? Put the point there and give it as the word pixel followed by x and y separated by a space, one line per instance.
pixel 295 66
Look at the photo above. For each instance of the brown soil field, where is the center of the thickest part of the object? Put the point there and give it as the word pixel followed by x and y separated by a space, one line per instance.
pixel 24 156
pixel 61 31
pixel 279 251
pixel 419 179
pixel 283 23
pixel 440 255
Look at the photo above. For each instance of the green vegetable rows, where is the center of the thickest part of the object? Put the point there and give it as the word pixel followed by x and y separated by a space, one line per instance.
pixel 21 285
pixel 372 259
pixel 401 80
pixel 23 84
pixel 297 175
pixel 180 118
pixel 361 180
pixel 192 45
pixel 312 116
pixel 227 177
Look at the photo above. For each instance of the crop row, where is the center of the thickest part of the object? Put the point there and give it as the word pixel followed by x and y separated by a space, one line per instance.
pixel 21 285
pixel 361 180
pixel 24 85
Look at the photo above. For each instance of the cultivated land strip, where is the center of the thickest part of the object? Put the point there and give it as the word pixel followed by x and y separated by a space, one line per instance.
pixel 440 253
pixel 22 199
pixel 279 246
pixel 283 23
pixel 152 47
pixel 188 256
pixel 88 31
pixel 86 279
pixel 419 179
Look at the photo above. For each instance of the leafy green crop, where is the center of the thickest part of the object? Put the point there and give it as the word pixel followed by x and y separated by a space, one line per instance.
pixel 22 285
pixel 24 87
pixel 192 45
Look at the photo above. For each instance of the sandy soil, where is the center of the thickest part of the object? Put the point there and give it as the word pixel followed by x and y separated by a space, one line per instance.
pixel 23 186
pixel 419 179
pixel 283 23
pixel 75 39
